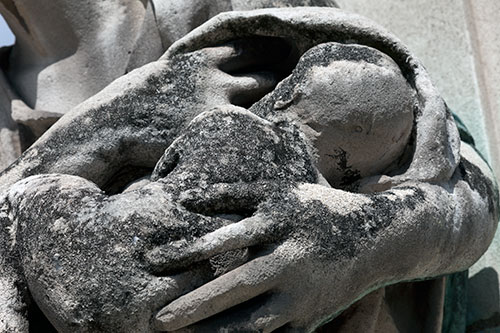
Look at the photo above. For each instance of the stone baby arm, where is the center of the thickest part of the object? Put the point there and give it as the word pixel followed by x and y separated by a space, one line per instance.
pixel 131 122
pixel 319 249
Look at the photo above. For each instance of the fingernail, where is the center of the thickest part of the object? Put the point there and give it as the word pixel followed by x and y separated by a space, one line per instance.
pixel 165 317
pixel 163 320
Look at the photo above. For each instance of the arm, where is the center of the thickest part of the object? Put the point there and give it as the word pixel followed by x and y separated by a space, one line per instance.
pixel 131 122
pixel 112 129
pixel 325 248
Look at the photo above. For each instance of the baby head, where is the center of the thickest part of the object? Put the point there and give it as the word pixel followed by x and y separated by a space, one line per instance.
pixel 229 144
pixel 355 106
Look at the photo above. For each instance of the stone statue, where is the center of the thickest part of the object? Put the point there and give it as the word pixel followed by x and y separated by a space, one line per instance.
pixel 67 51
pixel 272 169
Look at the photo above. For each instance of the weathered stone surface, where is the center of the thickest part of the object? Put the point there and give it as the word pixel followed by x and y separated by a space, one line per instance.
pixel 10 145
pixel 346 98
pixel 458 41
pixel 87 263
pixel 67 51
pixel 247 188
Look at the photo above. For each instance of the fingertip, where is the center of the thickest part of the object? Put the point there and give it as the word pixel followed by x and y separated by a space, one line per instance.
pixel 163 321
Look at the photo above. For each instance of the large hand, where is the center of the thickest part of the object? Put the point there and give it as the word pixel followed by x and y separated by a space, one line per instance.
pixel 227 163
pixel 230 145
pixel 82 252
pixel 303 269
pixel 315 250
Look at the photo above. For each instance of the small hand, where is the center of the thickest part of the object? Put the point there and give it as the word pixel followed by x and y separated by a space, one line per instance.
pixel 232 145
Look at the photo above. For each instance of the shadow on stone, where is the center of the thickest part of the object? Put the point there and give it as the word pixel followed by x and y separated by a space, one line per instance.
pixel 483 301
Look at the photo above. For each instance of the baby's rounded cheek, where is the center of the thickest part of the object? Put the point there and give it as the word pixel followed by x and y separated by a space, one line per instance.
pixel 349 153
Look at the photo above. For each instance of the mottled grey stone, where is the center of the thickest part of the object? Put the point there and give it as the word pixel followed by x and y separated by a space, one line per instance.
pixel 202 191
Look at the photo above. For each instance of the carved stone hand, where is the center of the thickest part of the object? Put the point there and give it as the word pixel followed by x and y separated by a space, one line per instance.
pixel 91 260
pixel 315 250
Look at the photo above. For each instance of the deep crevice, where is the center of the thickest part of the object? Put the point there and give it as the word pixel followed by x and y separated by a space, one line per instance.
pixel 231 210
pixel 270 59
pixel 123 177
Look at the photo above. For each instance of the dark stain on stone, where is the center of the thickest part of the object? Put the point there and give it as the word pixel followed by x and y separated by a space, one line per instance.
pixel 479 183
pixel 350 176
pixel 158 116
pixel 316 221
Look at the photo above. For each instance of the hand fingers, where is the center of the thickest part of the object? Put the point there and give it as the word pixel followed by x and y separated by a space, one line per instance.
pixel 240 285
pixel 162 290
pixel 248 232
pixel 265 313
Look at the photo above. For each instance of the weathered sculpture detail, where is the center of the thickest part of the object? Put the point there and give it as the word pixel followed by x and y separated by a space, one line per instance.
pixel 271 169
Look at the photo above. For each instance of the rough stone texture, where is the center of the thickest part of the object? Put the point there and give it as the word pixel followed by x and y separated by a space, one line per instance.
pixel 311 250
pixel 67 51
pixel 437 32
pixel 448 35
pixel 84 263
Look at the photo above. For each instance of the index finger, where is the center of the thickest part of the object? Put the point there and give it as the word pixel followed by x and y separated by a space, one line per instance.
pixel 248 232
pixel 244 283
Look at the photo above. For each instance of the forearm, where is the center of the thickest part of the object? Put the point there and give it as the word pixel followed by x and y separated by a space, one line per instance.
pixel 443 231
pixel 118 126
pixel 415 230
pixel 473 197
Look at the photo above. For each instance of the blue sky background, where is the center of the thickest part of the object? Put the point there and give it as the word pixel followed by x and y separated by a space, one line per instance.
pixel 6 36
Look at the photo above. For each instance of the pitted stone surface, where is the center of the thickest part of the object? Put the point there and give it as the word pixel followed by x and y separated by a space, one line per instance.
pixel 193 193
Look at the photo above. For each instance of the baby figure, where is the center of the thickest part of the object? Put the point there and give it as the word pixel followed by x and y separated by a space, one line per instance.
pixel 354 105
pixel 351 102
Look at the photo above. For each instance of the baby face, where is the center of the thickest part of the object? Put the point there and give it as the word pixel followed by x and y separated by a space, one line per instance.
pixel 357 110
